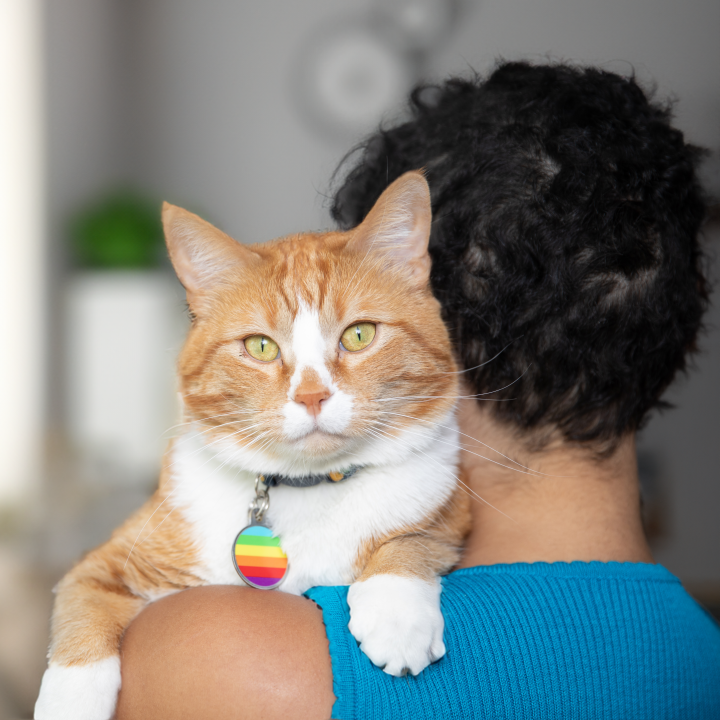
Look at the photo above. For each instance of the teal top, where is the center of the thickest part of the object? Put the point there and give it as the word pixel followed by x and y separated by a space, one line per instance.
pixel 621 641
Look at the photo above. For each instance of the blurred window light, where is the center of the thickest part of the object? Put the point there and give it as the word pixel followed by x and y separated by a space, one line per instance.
pixel 22 249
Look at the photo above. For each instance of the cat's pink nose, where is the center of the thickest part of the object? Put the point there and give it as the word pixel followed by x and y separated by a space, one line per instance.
pixel 310 395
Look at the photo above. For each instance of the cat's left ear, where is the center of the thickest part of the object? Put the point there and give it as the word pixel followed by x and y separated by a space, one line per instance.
pixel 398 226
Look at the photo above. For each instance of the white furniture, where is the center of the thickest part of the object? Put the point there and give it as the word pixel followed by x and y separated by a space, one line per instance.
pixel 124 330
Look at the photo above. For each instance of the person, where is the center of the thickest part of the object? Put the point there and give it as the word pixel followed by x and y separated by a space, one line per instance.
pixel 566 258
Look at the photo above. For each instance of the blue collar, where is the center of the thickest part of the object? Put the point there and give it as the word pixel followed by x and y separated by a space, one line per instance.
pixel 309 480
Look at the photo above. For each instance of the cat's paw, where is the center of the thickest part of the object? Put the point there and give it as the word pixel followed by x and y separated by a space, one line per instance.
pixel 79 692
pixel 397 621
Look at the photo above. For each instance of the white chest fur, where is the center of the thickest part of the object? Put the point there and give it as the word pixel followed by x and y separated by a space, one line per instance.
pixel 322 528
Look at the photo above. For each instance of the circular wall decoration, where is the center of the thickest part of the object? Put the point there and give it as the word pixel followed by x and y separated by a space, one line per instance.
pixel 417 25
pixel 349 77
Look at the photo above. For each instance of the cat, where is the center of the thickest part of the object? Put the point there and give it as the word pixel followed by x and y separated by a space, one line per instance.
pixel 320 364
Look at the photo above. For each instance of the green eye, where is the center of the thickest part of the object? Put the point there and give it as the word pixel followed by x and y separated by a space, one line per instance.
pixel 358 336
pixel 261 347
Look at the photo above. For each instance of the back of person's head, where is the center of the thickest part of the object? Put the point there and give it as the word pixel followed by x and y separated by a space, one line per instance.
pixel 564 243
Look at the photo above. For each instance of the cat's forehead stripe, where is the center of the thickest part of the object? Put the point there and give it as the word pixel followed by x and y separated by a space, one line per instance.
pixel 307 341
pixel 308 347
pixel 302 272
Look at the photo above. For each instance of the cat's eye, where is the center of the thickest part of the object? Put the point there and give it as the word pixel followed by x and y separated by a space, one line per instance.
pixel 261 348
pixel 358 336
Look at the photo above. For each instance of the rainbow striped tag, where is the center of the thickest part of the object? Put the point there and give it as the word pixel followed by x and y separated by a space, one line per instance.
pixel 258 557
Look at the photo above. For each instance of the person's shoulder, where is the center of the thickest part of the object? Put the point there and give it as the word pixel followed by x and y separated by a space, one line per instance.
pixel 221 651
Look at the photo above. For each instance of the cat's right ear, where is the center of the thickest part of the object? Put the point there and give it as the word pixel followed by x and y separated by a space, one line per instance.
pixel 203 256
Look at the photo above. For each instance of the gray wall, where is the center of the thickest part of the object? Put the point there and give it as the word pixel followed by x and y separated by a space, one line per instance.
pixel 192 101
pixel 214 117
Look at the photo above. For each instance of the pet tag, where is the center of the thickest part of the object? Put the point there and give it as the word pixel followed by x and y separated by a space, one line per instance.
pixel 258 557
pixel 256 552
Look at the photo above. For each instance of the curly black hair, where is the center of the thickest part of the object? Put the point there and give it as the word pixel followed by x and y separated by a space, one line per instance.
pixel 566 214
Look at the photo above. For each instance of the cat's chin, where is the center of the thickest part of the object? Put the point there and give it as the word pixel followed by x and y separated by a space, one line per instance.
pixel 320 444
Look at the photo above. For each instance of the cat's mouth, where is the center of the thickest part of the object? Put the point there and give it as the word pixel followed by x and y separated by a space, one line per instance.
pixel 318 442
pixel 326 425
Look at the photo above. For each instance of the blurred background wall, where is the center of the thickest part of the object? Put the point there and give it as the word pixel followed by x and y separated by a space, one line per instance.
pixel 241 111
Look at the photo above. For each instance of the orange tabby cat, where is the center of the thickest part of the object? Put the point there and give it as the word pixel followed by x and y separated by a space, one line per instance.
pixel 315 356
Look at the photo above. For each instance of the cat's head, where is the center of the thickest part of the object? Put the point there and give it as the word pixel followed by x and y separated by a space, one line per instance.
pixel 316 351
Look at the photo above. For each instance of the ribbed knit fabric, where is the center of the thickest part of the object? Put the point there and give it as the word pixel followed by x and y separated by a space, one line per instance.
pixel 554 641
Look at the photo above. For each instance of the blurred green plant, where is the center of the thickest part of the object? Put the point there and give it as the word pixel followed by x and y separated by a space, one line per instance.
pixel 121 231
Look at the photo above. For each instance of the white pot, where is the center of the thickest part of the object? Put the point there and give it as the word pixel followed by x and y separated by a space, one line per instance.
pixel 124 330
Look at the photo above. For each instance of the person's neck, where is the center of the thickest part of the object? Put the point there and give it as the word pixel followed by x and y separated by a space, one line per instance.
pixel 571 506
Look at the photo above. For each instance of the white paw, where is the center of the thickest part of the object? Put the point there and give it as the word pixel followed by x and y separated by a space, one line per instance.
pixel 79 692
pixel 397 621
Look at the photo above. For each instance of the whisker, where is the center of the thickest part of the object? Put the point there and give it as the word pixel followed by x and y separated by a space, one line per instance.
pixel 480 442
pixel 467 488
pixel 457 397
pixel 172 510
pixel 460 372
pixel 526 471
pixel 428 398
pixel 172 492
pixel 463 486
pixel 210 444
pixel 232 422
pixel 203 420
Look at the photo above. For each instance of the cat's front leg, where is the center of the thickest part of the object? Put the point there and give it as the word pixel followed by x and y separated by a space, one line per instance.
pixel 79 692
pixel 395 604
pixel 92 610
pixel 397 621
pixel 95 602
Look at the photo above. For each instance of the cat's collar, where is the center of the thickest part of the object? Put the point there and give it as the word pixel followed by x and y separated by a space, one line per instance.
pixel 309 480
